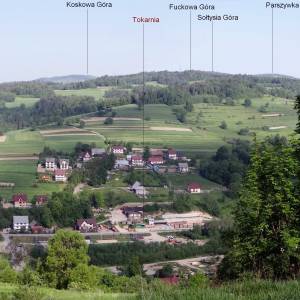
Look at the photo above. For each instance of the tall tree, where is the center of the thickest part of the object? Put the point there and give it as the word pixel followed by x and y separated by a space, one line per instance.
pixel 66 251
pixel 267 237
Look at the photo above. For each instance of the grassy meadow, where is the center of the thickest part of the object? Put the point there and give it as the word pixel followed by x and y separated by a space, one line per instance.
pixel 7 290
pixel 202 130
pixel 19 100
pixel 23 174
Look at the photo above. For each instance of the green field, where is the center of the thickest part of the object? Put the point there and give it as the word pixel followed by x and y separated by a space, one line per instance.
pixel 27 101
pixel 181 181
pixel 26 142
pixel 205 135
pixel 23 174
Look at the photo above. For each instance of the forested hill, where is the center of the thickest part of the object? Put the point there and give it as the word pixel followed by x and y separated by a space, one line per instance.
pixel 199 82
pixel 170 88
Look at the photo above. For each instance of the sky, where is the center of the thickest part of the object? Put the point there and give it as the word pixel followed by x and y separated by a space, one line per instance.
pixel 42 38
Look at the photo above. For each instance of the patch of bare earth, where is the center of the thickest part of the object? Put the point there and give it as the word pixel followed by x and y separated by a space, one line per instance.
pixel 171 129
pixel 65 132
pixel 98 119
pixel 272 115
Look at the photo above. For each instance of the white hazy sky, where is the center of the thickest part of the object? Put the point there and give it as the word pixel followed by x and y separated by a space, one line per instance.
pixel 42 38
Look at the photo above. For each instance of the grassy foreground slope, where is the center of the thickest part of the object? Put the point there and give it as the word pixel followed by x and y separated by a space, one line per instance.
pixel 7 291
pixel 250 290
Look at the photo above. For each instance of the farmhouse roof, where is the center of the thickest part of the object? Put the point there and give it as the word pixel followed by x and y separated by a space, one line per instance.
pixel 136 185
pixel 172 151
pixel 59 172
pixel 122 162
pixel 137 158
pixel 156 152
pixel 41 198
pixel 63 159
pixel 194 185
pixel 118 147
pixel 98 151
pixel 91 221
pixel 50 159
pixel 154 159
pixel 20 219
pixel 19 198
pixel 183 165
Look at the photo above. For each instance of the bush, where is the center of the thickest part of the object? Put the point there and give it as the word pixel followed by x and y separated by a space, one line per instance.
pixel 109 121
pixel 244 131
pixel 223 125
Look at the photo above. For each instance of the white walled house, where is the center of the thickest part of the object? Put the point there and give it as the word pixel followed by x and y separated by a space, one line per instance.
pixel 50 163
pixel 118 149
pixel 64 164
pixel 194 188
pixel 60 175
pixel 20 223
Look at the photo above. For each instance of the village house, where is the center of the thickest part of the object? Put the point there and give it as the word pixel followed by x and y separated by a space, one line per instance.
pixel 118 149
pixel 122 164
pixel 20 223
pixel 50 164
pixel 63 164
pixel 87 225
pixel 40 200
pixel 60 175
pixel 20 200
pixel 85 156
pixel 97 152
pixel 156 160
pixel 133 214
pixel 172 154
pixel 183 167
pixel 139 190
pixel 194 188
pixel 38 229
pixel 137 161
pixel 156 152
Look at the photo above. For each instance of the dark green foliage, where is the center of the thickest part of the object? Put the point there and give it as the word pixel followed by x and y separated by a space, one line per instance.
pixel 7 97
pixel 66 208
pixel 133 267
pixel 121 253
pixel 96 169
pixel 267 237
pixel 223 125
pixel 247 103
pixel 228 165
pixel 244 131
pixel 297 108
pixel 109 121
pixel 166 271
pixel 182 203
pixel 66 251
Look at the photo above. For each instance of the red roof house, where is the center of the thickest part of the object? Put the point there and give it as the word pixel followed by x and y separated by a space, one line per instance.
pixel 156 160
pixel 118 149
pixel 19 200
pixel 60 175
pixel 41 199
pixel 172 154
pixel 137 160
pixel 194 188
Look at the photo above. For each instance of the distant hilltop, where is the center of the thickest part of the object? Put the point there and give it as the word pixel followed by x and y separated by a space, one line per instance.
pixel 66 78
